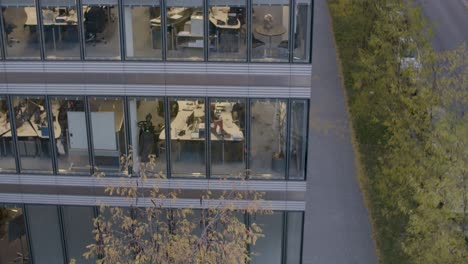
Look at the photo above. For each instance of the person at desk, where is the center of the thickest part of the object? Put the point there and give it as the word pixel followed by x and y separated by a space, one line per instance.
pixel 147 139
pixel 95 20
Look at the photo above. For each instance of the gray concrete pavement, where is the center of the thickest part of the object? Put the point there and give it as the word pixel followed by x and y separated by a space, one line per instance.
pixel 337 228
pixel 449 18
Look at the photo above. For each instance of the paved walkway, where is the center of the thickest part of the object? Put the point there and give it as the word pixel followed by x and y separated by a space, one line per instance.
pixel 337 229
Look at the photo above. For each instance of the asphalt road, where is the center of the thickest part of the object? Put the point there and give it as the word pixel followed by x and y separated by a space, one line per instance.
pixel 449 19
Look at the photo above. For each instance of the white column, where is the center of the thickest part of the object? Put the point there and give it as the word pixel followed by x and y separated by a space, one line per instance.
pixel 128 31
pixel 134 128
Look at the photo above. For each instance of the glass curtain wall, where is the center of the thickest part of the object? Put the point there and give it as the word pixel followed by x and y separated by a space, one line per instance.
pixel 185 30
pixel 60 25
pixel 20 29
pixel 187 135
pixel 294 237
pixel 108 134
pixel 227 137
pixel 270 30
pixel 147 126
pixel 227 30
pixel 268 249
pixel 268 123
pixel 7 152
pixel 33 131
pixel 78 228
pixel 101 29
pixel 46 239
pixel 14 246
pixel 302 30
pixel 143 31
pixel 72 143
pixel 298 139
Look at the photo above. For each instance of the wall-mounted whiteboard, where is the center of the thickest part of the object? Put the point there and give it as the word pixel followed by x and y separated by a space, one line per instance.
pixel 103 128
pixel 77 130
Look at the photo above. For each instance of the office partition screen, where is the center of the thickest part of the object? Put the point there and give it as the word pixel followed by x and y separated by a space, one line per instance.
pixel 268 123
pixel 270 30
pixel 14 245
pixel 21 32
pixel 108 134
pixel 60 25
pixel 7 151
pixel 33 133
pixel 187 135
pixel 143 29
pixel 227 137
pixel 147 126
pixel 227 23
pixel 185 30
pixel 101 29
pixel 72 143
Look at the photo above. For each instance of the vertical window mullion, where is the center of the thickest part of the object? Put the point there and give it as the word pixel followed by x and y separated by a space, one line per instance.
pixel 28 234
pixel 128 138
pixel 40 29
pixel 248 137
pixel 3 39
pixel 122 29
pixel 206 29
pixel 50 120
pixel 207 138
pixel 62 234
pixel 90 135
pixel 167 129
pixel 14 138
pixel 292 29
pixel 81 33
pixel 288 136
pixel 284 241
pixel 249 30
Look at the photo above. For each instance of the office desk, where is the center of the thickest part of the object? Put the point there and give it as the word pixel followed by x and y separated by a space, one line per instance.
pixel 276 30
pixel 214 17
pixel 175 22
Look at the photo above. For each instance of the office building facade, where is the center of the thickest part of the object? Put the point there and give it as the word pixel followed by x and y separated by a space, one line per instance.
pixel 208 89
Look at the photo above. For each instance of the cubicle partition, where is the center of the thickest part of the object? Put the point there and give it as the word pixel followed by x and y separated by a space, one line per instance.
pixel 177 137
pixel 273 31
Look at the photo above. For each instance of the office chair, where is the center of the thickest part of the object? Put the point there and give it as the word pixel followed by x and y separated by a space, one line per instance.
pixel 95 23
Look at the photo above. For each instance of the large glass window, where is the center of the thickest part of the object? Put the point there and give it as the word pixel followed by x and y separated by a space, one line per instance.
pixel 227 127
pixel 298 139
pixel 7 156
pixel 108 133
pixel 72 143
pixel 60 26
pixel 20 28
pixel 33 130
pixel 185 29
pixel 147 130
pixel 294 237
pixel 101 29
pixel 143 34
pixel 268 138
pixel 78 228
pixel 270 30
pixel 188 135
pixel 268 249
pixel 13 240
pixel 302 30
pixel 44 229
pixel 228 30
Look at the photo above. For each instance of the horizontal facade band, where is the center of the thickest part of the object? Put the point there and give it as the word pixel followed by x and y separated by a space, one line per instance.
pixel 145 202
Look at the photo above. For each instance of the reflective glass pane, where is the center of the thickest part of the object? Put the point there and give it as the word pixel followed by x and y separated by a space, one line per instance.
pixel 227 126
pixel 185 29
pixel 108 134
pixel 187 137
pixel 21 30
pixel 72 143
pixel 13 240
pixel 148 139
pixel 227 30
pixel 298 139
pixel 294 238
pixel 268 138
pixel 270 30
pixel 78 228
pixel 143 35
pixel 60 27
pixel 101 29
pixel 44 229
pixel 268 249
pixel 7 157
pixel 32 130
pixel 302 30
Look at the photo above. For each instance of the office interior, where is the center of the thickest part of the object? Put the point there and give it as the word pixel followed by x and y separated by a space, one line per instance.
pixel 167 136
pixel 271 31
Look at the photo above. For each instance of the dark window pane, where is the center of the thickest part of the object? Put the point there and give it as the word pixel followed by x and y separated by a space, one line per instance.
pixel 78 227
pixel 298 137
pixel 72 143
pixel 44 229
pixel 13 240
pixel 33 130
pixel 294 240
pixel 7 158
pixel 21 30
pixel 188 135
pixel 268 249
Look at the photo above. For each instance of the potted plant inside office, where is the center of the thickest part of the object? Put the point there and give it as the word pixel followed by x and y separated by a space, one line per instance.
pixel 278 163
